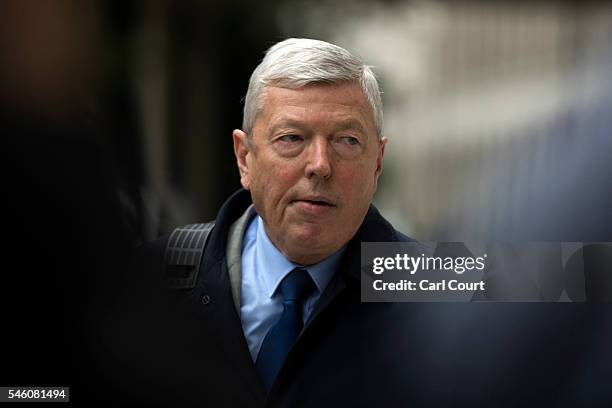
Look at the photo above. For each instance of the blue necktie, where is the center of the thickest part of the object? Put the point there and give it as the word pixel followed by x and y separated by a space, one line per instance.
pixel 294 288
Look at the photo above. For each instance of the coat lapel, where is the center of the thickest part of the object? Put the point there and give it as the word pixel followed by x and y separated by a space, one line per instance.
pixel 213 300
pixel 219 312
pixel 373 229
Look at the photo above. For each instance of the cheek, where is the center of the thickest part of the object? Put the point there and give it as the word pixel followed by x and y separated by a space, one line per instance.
pixel 286 173
pixel 358 183
pixel 273 181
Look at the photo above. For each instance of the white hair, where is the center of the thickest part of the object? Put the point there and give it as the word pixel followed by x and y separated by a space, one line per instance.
pixel 297 62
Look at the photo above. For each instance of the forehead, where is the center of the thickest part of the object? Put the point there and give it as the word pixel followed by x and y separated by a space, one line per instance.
pixel 329 104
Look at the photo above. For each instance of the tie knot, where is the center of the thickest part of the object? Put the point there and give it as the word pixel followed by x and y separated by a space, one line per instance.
pixel 297 285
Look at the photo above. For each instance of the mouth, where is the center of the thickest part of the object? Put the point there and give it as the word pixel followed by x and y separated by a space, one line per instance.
pixel 321 201
pixel 314 205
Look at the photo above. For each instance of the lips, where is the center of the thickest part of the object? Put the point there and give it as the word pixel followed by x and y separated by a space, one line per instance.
pixel 318 203
pixel 317 200
pixel 314 205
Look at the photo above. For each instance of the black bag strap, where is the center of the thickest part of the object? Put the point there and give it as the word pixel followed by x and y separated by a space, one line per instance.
pixel 183 254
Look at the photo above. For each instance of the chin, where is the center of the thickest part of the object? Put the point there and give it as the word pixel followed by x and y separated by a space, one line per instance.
pixel 314 240
pixel 309 242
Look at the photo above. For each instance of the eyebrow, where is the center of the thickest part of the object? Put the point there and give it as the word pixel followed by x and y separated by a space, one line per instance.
pixel 284 124
pixel 351 124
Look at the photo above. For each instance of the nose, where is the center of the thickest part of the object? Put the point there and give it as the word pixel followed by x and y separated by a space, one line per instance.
pixel 318 162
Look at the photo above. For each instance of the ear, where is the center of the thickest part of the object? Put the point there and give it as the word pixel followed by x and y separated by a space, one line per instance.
pixel 242 150
pixel 381 153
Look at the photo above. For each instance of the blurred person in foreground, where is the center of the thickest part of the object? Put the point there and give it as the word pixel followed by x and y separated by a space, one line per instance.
pixel 271 313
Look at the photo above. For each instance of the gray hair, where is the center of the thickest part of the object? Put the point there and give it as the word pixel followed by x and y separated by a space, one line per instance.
pixel 297 62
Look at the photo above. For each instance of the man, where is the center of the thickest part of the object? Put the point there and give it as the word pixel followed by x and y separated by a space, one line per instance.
pixel 309 154
pixel 272 314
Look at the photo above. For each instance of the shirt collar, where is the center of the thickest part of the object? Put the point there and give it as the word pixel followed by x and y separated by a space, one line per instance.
pixel 275 266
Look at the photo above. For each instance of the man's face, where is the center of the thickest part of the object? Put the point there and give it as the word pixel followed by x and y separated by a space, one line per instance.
pixel 311 166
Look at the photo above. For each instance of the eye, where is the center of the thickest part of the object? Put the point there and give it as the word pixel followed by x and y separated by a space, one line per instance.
pixel 349 140
pixel 348 147
pixel 289 145
pixel 290 138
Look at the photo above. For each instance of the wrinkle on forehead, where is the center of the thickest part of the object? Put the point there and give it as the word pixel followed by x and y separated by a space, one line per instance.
pixel 339 107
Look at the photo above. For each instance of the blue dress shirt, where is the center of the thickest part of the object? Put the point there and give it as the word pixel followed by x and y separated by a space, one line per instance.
pixel 263 267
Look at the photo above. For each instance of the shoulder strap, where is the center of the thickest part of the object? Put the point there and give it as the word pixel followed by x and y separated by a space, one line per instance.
pixel 184 253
